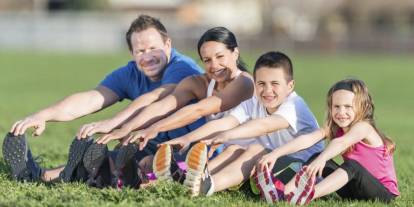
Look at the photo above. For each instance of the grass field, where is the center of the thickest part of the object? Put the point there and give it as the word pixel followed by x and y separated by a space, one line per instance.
pixel 32 80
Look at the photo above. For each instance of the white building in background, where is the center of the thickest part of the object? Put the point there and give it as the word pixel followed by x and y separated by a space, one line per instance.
pixel 296 24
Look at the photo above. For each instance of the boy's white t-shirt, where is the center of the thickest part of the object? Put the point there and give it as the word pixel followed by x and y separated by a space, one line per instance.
pixel 297 114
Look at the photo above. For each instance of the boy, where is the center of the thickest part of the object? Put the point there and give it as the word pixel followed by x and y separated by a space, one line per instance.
pixel 273 117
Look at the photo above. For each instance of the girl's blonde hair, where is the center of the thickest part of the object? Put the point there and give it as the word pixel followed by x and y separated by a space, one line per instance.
pixel 363 107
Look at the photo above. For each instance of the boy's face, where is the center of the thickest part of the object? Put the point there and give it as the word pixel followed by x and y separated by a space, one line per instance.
pixel 272 87
pixel 342 110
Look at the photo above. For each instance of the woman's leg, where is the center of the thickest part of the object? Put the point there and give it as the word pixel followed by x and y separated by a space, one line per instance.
pixel 225 158
pixel 238 170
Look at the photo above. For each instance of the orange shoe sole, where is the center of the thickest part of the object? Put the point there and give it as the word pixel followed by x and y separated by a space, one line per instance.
pixel 162 162
pixel 196 162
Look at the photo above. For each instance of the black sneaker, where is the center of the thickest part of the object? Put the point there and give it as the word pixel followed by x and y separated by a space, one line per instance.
pixel 125 173
pixel 198 178
pixel 74 166
pixel 17 155
pixel 165 166
pixel 93 160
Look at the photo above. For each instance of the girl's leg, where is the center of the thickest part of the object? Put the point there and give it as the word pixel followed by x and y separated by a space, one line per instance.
pixel 225 158
pixel 331 184
pixel 238 170
pixel 330 167
pixel 362 184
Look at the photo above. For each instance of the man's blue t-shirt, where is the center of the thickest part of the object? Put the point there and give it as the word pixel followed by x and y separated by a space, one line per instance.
pixel 128 82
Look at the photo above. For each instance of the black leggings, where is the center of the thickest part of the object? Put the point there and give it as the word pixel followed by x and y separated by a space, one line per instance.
pixel 362 185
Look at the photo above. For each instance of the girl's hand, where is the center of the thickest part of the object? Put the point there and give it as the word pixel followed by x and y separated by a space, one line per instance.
pixel 316 167
pixel 268 161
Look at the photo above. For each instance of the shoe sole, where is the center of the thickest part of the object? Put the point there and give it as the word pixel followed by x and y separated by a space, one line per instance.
pixel 264 182
pixel 94 158
pixel 196 162
pixel 125 154
pixel 161 164
pixel 77 150
pixel 15 154
pixel 305 189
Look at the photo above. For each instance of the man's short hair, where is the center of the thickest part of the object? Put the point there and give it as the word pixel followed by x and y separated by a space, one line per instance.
pixel 144 22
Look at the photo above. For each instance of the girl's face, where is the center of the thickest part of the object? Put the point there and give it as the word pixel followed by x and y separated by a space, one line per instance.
pixel 219 62
pixel 343 112
pixel 272 88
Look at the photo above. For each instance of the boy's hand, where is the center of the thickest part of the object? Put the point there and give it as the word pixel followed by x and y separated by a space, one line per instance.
pixel 182 142
pixel 218 139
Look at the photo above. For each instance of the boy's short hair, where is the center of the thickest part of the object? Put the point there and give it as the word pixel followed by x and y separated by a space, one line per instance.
pixel 142 23
pixel 274 59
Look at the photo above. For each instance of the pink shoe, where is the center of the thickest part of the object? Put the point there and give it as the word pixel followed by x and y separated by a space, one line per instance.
pixel 305 189
pixel 271 189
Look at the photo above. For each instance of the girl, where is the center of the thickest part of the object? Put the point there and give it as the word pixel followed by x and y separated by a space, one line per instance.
pixel 368 170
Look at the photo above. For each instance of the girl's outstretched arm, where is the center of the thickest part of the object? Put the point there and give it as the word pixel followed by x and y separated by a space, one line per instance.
pixel 358 132
pixel 297 144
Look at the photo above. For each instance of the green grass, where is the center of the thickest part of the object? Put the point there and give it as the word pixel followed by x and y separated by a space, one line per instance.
pixel 30 81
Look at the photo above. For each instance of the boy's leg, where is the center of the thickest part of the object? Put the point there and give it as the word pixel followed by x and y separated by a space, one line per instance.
pixel 229 154
pixel 238 170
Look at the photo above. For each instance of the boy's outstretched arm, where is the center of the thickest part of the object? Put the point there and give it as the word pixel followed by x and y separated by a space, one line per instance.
pixel 209 129
pixel 253 128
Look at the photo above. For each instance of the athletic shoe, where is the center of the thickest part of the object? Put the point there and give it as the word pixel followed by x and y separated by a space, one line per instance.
pixel 164 165
pixel 74 166
pixel 270 188
pixel 305 189
pixel 125 173
pixel 17 155
pixel 93 160
pixel 198 179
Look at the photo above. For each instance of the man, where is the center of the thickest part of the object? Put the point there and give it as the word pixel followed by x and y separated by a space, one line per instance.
pixel 153 73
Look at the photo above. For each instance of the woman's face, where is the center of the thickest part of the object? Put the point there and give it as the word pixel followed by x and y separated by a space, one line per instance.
pixel 219 62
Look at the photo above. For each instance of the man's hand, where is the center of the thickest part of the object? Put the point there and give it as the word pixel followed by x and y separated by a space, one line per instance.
pixel 90 129
pixel 20 127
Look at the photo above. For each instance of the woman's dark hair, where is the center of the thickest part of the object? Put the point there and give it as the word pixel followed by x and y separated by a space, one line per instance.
pixel 222 35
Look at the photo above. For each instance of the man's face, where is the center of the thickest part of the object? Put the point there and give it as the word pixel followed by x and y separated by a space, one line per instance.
pixel 151 53
pixel 272 88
